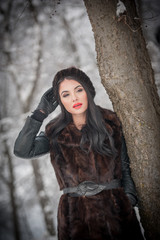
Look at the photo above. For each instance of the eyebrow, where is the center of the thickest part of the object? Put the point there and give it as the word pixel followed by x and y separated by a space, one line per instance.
pixel 74 89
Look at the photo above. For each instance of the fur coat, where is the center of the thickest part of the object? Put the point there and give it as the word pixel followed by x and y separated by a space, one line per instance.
pixel 108 215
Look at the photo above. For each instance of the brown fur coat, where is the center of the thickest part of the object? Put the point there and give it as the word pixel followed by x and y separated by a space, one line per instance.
pixel 107 215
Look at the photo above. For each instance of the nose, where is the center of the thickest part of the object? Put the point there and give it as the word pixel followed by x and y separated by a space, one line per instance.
pixel 74 97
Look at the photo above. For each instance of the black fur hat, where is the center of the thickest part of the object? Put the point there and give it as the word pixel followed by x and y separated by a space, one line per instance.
pixel 75 74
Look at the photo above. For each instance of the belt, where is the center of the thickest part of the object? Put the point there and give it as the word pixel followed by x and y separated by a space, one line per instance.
pixel 89 188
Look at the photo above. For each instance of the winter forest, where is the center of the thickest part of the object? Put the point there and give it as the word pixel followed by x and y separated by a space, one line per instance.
pixel 39 38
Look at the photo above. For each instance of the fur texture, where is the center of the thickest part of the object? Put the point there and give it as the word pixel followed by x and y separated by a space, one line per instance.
pixel 107 215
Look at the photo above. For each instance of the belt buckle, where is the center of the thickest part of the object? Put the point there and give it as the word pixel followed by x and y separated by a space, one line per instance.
pixel 87 188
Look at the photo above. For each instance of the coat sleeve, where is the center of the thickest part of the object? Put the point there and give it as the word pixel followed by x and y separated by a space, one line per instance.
pixel 28 144
pixel 127 181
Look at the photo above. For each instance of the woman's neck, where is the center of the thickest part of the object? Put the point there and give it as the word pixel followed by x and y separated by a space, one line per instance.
pixel 79 120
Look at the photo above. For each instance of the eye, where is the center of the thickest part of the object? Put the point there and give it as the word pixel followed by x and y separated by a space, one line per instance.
pixel 65 95
pixel 80 90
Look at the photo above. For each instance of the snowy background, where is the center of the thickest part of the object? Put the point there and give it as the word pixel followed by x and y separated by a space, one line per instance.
pixel 39 38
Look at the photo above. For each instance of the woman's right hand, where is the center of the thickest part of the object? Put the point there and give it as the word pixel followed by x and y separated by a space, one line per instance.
pixel 48 103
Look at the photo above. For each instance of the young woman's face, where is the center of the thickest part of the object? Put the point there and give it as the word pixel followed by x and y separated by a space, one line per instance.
pixel 73 97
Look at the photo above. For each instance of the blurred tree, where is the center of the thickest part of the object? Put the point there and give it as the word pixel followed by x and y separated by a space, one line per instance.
pixel 126 73
pixel 11 187
pixel 7 33
pixel 43 198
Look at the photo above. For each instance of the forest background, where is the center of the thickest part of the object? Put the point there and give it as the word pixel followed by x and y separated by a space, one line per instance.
pixel 38 38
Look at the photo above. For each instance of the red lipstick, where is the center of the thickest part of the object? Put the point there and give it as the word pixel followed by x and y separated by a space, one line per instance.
pixel 77 105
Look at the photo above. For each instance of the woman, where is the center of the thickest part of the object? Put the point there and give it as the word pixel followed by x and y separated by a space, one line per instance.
pixel 90 160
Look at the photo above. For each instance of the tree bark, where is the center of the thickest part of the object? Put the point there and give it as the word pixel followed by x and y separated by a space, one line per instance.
pixel 126 73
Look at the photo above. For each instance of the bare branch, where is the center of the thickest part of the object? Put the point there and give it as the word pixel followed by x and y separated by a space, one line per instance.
pixel 39 56
pixel 71 40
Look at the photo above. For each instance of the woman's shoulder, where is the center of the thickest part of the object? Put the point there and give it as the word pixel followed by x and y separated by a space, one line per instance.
pixel 110 116
pixel 50 126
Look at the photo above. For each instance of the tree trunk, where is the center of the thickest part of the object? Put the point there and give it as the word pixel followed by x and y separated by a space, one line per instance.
pixel 44 200
pixel 126 73
pixel 12 191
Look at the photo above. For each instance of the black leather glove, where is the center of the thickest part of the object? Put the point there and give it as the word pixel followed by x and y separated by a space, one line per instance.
pixel 48 102
pixel 127 181
pixel 132 198
pixel 47 105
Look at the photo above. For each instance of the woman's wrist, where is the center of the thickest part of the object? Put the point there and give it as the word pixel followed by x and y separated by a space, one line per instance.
pixel 39 115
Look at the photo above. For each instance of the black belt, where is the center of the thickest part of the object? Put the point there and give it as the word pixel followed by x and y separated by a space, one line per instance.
pixel 88 188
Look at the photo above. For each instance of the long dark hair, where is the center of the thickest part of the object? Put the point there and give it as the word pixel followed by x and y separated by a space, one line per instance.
pixel 94 132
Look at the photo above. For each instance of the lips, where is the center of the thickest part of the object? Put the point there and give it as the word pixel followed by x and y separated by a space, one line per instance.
pixel 77 105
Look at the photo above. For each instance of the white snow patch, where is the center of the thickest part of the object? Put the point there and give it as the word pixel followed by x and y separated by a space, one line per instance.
pixel 120 8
